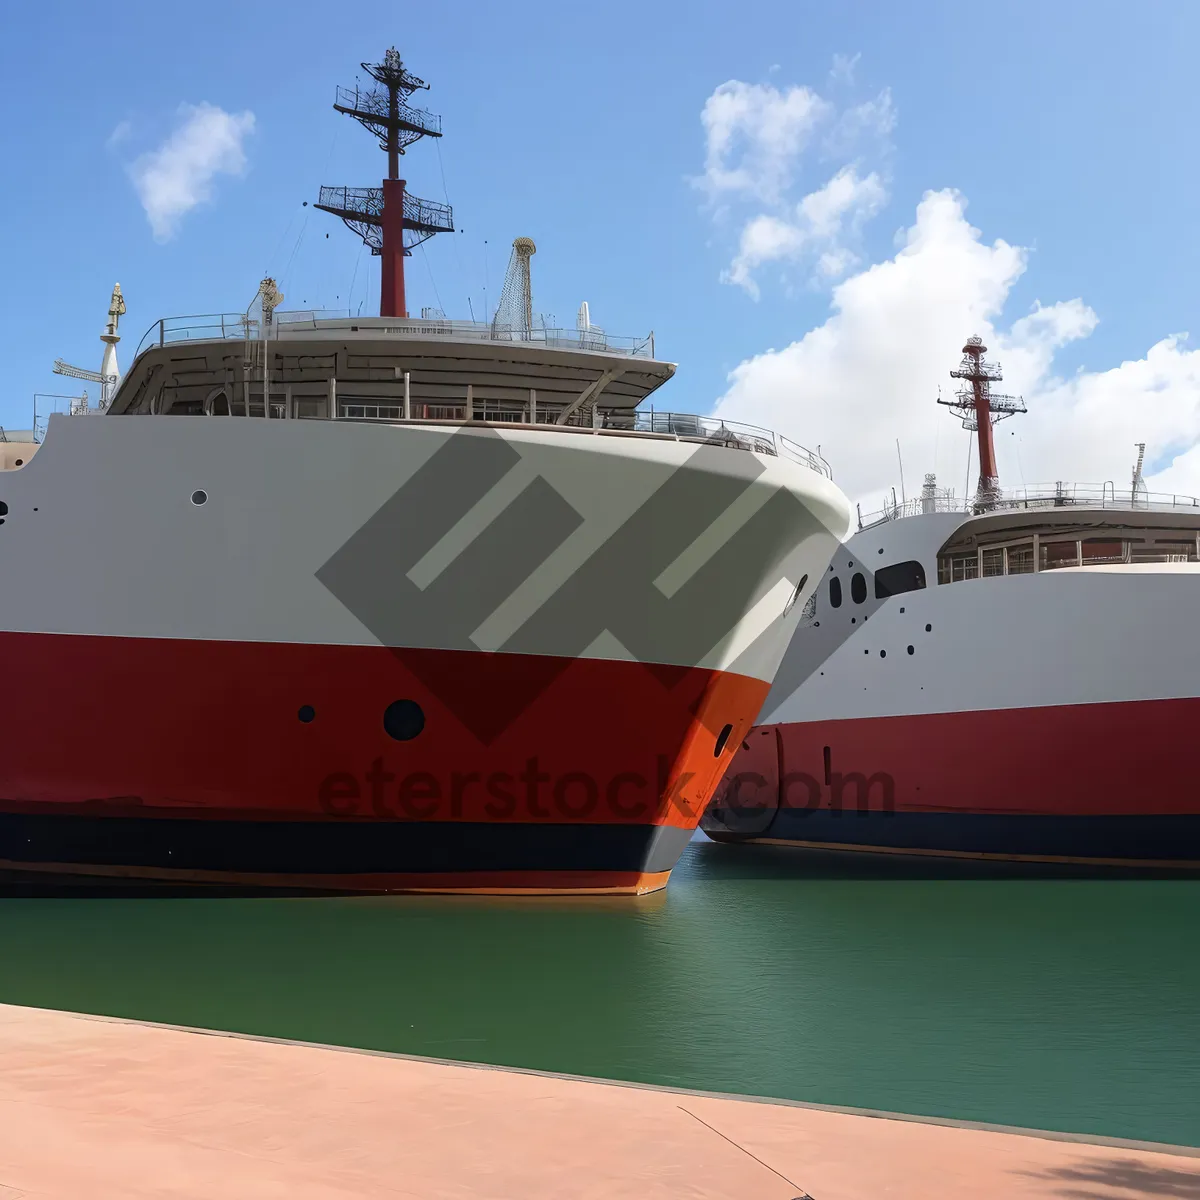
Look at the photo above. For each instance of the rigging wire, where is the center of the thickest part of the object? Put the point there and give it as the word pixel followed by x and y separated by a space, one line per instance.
pixel 462 275
pixel 432 281
pixel 937 429
pixel 299 238
pixel 274 257
pixel 353 278
pixel 366 286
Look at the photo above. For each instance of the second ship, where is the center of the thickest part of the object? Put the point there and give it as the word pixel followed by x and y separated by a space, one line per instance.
pixel 1014 677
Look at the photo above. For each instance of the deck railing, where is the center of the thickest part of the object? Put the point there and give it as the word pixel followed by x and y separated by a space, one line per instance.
pixel 682 427
pixel 1036 497
pixel 223 326
pixel 726 433
pixel 205 327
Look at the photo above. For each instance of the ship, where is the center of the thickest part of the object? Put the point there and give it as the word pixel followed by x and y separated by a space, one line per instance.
pixel 1010 677
pixel 336 603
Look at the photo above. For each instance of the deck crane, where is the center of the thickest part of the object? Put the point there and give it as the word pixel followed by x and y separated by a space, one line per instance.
pixel 108 376
pixel 1138 490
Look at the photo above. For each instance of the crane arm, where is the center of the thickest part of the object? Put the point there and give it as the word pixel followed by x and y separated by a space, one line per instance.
pixel 62 368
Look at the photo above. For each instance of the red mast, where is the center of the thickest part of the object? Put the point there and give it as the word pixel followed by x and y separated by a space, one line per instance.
pixel 382 216
pixel 980 410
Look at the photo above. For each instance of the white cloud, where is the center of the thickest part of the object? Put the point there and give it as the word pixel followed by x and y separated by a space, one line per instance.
pixel 120 133
pixel 175 178
pixel 844 196
pixel 871 121
pixel 843 67
pixel 815 227
pixel 870 373
pixel 754 133
pixel 756 136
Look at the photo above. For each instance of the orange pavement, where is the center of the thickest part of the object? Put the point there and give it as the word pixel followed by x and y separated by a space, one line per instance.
pixel 96 1109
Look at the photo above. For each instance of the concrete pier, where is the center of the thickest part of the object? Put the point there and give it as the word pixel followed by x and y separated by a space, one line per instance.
pixel 98 1109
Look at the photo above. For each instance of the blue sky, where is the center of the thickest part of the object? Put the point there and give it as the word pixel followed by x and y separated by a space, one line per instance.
pixel 1065 128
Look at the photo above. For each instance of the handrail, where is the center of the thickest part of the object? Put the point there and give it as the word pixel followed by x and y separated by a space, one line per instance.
pixel 223 326
pixel 679 427
pixel 715 430
pixel 1037 497
pixel 198 327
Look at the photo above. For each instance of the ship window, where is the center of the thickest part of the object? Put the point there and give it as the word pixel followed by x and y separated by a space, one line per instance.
pixel 1059 554
pixel 993 562
pixel 858 587
pixel 1103 550
pixel 1020 559
pixel 1163 551
pixel 835 592
pixel 899 577
pixel 954 567
pixel 372 412
pixel 310 407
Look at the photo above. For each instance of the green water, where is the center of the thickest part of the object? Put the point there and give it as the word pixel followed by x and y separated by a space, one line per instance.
pixel 1061 1004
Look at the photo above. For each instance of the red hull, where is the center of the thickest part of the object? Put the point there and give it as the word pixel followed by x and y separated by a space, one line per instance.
pixel 1098 782
pixel 528 774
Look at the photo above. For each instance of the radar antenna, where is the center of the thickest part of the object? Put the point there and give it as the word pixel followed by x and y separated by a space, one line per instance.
pixel 383 216
pixel 979 410
pixel 514 313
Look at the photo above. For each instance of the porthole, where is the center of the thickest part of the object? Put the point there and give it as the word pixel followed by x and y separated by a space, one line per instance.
pixel 199 496
pixel 858 588
pixel 928 628
pixel 883 654
pixel 20 462
pixel 3 511
pixel 403 720
pixel 835 592
pixel 910 650
pixel 722 738
pixel 306 713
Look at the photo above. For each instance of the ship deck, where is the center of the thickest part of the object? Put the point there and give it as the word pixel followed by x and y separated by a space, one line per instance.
pixel 107 1108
